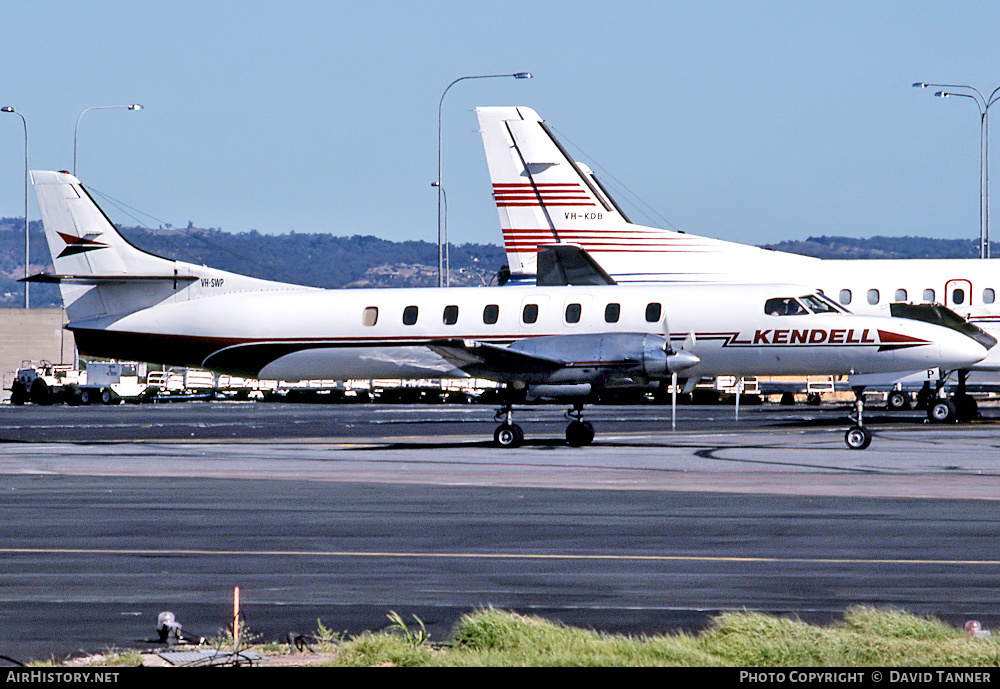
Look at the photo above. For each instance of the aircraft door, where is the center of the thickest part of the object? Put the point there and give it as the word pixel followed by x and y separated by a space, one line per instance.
pixel 957 293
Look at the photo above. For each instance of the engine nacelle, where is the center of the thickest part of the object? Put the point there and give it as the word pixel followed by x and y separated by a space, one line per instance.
pixel 599 358
pixel 571 392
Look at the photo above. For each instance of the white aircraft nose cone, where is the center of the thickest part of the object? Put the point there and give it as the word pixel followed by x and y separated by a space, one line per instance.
pixel 958 351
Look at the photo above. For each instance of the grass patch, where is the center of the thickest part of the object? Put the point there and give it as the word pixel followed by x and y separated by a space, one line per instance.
pixel 495 638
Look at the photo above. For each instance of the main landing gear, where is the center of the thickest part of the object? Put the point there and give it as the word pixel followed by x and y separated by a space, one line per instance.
pixel 959 407
pixel 509 434
pixel 858 437
pixel 578 432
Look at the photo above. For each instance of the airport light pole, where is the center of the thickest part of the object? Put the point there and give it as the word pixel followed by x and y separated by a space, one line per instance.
pixel 76 133
pixel 443 262
pixel 8 108
pixel 983 103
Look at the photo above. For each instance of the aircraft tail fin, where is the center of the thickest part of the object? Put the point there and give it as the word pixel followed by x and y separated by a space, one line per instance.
pixel 81 238
pixel 544 197
pixel 87 249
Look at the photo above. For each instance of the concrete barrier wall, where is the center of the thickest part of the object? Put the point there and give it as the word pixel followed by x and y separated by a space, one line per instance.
pixel 32 334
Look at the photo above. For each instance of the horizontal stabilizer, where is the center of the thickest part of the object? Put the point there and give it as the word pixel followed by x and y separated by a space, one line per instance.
pixel 50 278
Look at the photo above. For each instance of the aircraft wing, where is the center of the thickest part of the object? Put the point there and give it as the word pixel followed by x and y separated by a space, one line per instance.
pixel 501 364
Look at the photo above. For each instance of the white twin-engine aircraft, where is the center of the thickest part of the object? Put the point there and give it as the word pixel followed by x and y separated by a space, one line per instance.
pixel 561 342
pixel 544 198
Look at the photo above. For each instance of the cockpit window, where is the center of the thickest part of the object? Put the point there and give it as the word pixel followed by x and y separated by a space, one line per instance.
pixel 817 304
pixel 809 303
pixel 784 307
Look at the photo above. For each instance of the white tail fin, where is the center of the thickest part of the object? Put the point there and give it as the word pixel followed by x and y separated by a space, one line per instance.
pixel 543 197
pixel 82 240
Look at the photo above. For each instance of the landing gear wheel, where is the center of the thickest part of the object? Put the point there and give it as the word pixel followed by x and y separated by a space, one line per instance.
pixel 897 400
pixel 579 433
pixel 966 406
pixel 942 411
pixel 508 435
pixel 858 437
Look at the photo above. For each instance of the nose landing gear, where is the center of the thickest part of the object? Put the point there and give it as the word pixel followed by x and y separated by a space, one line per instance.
pixel 858 437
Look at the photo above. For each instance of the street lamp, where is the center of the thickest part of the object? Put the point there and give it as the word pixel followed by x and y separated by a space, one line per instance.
pixel 134 106
pixel 8 108
pixel 983 103
pixel 443 263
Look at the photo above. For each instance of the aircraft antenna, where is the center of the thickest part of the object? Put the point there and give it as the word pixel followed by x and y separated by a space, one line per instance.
pixel 636 200
pixel 183 250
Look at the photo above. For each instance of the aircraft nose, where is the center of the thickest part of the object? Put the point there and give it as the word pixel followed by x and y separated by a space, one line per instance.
pixel 960 351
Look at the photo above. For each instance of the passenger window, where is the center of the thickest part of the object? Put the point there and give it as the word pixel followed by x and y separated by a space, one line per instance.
pixel 929 295
pixel 845 296
pixel 989 296
pixel 370 316
pixel 450 315
pixel 491 314
pixel 530 313
pixel 958 296
pixel 612 312
pixel 900 295
pixel 653 311
pixel 573 312
pixel 409 315
pixel 873 296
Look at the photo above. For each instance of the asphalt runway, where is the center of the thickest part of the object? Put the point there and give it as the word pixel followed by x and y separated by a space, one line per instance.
pixel 344 513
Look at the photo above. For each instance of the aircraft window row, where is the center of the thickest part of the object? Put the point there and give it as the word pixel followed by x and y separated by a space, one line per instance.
pixel 529 314
pixel 958 296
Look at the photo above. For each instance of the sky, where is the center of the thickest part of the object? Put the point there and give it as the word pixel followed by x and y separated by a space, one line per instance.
pixel 747 121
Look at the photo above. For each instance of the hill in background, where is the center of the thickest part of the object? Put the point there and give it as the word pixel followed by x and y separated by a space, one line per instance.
pixel 323 260
pixel 880 247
